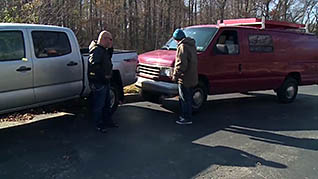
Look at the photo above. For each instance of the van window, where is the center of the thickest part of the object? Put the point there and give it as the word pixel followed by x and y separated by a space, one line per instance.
pixel 260 43
pixel 11 45
pixel 201 35
pixel 227 43
pixel 50 44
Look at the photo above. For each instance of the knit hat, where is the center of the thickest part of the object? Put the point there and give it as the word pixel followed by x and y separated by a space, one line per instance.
pixel 178 34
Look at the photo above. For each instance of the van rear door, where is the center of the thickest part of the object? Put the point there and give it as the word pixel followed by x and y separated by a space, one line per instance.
pixel 16 70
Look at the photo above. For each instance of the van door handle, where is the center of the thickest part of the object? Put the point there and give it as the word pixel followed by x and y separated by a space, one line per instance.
pixel 72 63
pixel 23 68
pixel 240 67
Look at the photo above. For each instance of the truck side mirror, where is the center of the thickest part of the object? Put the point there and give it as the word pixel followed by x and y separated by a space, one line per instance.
pixel 222 49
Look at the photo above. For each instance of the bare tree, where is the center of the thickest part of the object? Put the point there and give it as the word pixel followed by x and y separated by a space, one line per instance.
pixel 146 24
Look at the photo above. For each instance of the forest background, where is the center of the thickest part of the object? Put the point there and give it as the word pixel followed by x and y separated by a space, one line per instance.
pixel 145 25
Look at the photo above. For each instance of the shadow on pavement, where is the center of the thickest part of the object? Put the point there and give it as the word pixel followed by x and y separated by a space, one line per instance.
pixel 249 115
pixel 268 137
pixel 149 144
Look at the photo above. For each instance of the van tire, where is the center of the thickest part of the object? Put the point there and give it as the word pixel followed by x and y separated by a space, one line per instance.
pixel 287 92
pixel 114 94
pixel 199 97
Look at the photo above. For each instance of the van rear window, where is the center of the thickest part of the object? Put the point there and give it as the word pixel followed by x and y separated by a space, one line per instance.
pixel 11 45
pixel 260 43
pixel 50 44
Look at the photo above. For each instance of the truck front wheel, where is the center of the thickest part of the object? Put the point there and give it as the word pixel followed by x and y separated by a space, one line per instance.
pixel 200 94
pixel 287 92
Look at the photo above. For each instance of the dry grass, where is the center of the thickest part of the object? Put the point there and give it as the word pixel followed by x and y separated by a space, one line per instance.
pixel 131 89
pixel 29 114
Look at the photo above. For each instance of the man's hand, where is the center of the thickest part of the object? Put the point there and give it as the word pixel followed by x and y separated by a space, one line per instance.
pixel 174 78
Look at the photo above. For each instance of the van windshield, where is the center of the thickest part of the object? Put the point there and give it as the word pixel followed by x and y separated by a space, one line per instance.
pixel 202 37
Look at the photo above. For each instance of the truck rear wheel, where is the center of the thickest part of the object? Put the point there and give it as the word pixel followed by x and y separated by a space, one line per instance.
pixel 114 97
pixel 287 92
pixel 200 94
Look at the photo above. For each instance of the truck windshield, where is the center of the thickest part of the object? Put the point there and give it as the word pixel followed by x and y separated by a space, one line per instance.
pixel 202 37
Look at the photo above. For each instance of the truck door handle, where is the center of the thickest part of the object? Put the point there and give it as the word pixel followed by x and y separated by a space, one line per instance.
pixel 240 67
pixel 72 63
pixel 23 68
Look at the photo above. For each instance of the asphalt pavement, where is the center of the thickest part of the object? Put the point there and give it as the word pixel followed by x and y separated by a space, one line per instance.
pixel 234 136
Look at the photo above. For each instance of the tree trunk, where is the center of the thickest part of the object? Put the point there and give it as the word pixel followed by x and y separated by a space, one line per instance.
pixel 125 25
pixel 137 26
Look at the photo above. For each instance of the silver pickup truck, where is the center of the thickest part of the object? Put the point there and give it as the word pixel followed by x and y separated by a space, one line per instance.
pixel 41 64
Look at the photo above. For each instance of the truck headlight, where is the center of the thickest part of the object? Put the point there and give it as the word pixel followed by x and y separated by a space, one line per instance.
pixel 166 72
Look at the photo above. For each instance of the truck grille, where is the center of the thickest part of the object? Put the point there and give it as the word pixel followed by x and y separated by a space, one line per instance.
pixel 148 70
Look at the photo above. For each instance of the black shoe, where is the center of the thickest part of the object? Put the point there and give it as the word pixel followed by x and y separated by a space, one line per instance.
pixel 101 129
pixel 112 125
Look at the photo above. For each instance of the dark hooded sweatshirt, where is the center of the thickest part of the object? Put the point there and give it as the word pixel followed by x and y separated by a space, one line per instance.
pixel 99 64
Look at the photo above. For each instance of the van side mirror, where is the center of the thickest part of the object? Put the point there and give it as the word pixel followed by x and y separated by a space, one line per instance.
pixel 222 49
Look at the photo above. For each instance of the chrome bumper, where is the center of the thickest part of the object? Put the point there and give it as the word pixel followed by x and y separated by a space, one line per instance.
pixel 157 86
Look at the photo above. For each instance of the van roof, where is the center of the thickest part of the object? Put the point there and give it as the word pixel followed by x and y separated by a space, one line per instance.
pixel 255 23
pixel 29 26
pixel 218 26
pixel 261 23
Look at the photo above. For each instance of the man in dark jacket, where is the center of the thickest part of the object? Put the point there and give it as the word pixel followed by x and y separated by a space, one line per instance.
pixel 99 75
pixel 185 73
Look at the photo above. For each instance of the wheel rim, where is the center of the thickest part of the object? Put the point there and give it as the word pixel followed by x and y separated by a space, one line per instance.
pixel 197 98
pixel 112 98
pixel 290 92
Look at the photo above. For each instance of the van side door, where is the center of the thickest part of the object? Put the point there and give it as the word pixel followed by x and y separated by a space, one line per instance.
pixel 223 66
pixel 261 68
pixel 57 67
pixel 16 70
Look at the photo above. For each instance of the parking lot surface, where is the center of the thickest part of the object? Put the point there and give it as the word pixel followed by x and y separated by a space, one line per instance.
pixel 233 136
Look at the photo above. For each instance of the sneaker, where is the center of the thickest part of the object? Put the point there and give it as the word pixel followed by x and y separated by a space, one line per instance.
pixel 181 118
pixel 183 121
pixel 101 129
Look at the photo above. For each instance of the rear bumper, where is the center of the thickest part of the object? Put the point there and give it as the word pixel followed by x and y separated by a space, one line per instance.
pixel 157 86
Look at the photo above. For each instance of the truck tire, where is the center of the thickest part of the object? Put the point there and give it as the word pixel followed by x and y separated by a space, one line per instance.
pixel 200 94
pixel 287 92
pixel 114 97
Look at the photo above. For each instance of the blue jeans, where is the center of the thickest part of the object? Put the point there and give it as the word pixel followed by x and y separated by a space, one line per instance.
pixel 185 101
pixel 100 104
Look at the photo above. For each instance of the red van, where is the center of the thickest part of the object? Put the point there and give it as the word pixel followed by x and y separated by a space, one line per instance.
pixel 237 55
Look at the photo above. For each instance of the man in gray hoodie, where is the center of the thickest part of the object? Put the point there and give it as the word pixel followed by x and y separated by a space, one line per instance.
pixel 185 73
pixel 99 75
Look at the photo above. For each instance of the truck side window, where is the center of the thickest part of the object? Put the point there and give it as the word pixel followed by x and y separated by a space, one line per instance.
pixel 227 43
pixel 50 44
pixel 11 45
pixel 260 43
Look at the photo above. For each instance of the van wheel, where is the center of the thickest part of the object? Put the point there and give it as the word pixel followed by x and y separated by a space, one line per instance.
pixel 150 96
pixel 200 94
pixel 287 92
pixel 114 97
